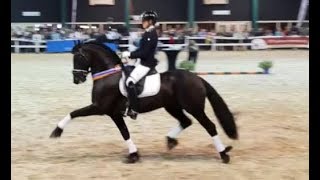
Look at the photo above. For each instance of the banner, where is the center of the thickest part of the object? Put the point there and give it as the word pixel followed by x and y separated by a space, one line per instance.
pixel 60 46
pixel 280 42
pixel 101 2
pixel 215 1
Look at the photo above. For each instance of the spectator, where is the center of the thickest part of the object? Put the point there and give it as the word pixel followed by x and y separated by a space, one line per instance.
pixel 294 31
pixel 171 39
pixel 278 32
pixel 180 33
pixel 55 35
pixel 172 32
pixel 45 33
pixel 95 33
pixel 268 32
pixel 210 36
pixel 239 35
pixel 36 36
pixel 286 31
pixel 222 31
pixel 245 31
pixel 212 33
pixel 193 51
pixel 202 33
pixel 78 34
pixel 112 34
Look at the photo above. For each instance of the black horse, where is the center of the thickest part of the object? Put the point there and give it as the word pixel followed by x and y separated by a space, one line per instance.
pixel 180 90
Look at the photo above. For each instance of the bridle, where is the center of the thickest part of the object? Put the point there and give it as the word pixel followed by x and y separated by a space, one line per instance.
pixel 101 74
pixel 85 72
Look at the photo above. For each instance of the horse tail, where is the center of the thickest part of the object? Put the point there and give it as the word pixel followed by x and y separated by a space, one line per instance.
pixel 222 111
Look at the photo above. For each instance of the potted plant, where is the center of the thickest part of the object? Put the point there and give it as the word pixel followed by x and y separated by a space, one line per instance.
pixel 187 65
pixel 265 65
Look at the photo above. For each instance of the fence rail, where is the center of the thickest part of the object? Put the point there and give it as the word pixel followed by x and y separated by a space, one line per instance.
pixel 213 43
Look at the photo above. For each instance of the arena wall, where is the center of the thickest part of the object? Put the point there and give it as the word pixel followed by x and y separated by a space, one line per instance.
pixel 169 10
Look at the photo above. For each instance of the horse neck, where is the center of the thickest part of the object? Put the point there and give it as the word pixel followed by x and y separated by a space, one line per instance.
pixel 98 66
pixel 100 61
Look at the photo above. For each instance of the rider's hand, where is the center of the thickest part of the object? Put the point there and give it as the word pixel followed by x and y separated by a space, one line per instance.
pixel 125 54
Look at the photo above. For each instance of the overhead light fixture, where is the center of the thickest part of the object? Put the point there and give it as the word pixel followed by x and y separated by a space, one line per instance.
pixel 84 26
pixel 221 12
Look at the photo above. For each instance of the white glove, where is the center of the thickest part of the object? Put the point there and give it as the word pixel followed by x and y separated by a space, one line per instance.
pixel 126 54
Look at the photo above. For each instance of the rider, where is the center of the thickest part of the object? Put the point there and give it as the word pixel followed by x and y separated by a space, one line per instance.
pixel 145 52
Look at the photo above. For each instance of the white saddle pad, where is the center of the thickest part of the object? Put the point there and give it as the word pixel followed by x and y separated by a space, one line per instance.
pixel 151 86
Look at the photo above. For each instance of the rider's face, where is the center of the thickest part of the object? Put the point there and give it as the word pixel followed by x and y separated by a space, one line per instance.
pixel 146 24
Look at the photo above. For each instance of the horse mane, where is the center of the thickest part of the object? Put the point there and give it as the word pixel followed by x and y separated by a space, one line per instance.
pixel 108 50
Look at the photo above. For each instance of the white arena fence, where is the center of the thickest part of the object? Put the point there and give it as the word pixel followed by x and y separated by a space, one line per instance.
pixel 253 43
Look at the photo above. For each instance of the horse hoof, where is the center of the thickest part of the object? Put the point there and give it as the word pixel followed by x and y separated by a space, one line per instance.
pixel 171 143
pixel 224 156
pixel 132 158
pixel 56 132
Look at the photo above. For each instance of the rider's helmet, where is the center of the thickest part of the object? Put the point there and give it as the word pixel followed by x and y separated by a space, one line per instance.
pixel 150 15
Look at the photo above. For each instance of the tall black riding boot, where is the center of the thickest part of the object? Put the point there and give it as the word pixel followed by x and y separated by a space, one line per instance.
pixel 133 101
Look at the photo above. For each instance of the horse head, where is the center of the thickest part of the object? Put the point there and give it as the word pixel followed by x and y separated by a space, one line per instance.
pixel 91 57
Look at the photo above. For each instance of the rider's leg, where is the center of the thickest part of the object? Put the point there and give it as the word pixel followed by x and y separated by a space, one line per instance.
pixel 139 72
pixel 132 96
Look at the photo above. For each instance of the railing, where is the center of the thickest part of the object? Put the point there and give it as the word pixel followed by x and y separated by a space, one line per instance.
pixel 36 45
pixel 125 42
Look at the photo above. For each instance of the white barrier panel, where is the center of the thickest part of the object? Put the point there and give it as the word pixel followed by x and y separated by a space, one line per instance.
pixel 280 42
pixel 36 44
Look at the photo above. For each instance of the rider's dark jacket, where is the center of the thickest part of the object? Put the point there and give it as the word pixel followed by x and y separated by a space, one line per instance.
pixel 147 49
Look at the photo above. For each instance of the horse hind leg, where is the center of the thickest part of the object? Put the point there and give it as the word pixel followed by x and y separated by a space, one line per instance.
pixel 184 122
pixel 211 129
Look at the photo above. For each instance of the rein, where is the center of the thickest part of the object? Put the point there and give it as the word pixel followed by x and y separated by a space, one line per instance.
pixel 106 73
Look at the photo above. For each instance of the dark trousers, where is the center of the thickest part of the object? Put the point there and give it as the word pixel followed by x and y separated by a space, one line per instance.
pixel 193 55
pixel 133 97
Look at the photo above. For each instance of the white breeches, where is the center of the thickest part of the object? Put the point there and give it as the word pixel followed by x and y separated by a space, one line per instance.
pixel 139 72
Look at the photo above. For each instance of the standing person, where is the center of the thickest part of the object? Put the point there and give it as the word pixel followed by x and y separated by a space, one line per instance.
pixel 193 51
pixel 145 52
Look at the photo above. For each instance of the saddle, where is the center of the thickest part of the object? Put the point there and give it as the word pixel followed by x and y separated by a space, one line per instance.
pixel 140 84
pixel 149 85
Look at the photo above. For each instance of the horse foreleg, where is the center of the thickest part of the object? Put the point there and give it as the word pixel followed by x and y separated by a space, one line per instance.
pixel 85 111
pixel 133 152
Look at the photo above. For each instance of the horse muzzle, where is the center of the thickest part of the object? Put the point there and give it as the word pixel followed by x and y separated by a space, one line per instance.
pixel 79 76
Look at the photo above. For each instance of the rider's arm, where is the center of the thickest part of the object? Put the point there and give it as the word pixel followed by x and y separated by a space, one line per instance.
pixel 149 42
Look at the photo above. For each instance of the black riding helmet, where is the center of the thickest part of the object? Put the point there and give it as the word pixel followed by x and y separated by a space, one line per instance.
pixel 150 15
